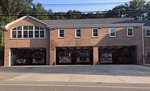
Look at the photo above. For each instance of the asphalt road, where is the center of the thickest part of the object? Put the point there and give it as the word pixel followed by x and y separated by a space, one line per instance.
pixel 70 86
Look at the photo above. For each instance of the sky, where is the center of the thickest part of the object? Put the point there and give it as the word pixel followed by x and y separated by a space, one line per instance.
pixel 99 5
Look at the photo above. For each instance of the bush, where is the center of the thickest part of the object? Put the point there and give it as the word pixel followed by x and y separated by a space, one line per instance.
pixel 1 52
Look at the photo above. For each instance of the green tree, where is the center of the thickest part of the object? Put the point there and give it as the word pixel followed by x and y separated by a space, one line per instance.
pixel 73 14
pixel 12 8
pixel 50 14
pixel 3 21
pixel 137 8
pixel 134 9
pixel 39 12
pixel 148 7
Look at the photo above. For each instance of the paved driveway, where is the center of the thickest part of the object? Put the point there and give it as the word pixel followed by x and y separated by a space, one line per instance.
pixel 72 73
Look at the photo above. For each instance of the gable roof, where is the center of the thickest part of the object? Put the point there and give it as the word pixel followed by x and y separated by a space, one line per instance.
pixel 80 23
pixel 85 21
pixel 96 21
pixel 102 22
pixel 6 27
pixel 146 22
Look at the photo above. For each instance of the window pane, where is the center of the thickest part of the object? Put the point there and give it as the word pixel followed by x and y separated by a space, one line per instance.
pixel 14 29
pixel 41 34
pixel 25 28
pixel 95 32
pixel 30 27
pixel 30 34
pixel 25 34
pixel 62 31
pixel 19 34
pixel 61 34
pixel 13 34
pixel 147 32
pixel 78 33
pixel 36 34
pixel 41 28
pixel 19 28
pixel 36 27
pixel 130 31
pixel 112 32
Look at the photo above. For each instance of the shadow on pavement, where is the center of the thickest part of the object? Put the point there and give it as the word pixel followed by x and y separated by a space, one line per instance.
pixel 119 70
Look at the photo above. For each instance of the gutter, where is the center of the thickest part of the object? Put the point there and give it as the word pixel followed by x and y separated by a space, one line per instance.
pixel 143 46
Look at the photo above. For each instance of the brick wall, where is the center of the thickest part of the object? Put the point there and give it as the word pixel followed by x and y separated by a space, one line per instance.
pixel 52 41
pixel 24 43
pixel 146 47
pixel 103 39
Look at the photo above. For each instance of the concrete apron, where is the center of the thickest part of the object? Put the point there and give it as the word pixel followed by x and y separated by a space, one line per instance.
pixel 103 73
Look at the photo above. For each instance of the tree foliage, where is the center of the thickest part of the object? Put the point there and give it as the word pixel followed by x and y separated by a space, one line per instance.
pixel 39 12
pixel 11 8
pixel 134 9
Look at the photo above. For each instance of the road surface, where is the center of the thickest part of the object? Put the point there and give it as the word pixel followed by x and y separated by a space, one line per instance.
pixel 70 86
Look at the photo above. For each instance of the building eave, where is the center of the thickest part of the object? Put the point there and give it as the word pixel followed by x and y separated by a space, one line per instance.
pixel 6 26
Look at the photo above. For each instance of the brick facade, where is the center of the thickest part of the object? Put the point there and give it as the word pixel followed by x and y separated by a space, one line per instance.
pixel 103 39
pixel 24 43
pixel 52 40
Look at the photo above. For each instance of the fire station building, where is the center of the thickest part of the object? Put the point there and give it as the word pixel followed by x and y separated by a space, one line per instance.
pixel 29 41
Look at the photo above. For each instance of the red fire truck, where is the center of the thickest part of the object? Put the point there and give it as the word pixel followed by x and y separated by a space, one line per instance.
pixel 82 57
pixel 65 57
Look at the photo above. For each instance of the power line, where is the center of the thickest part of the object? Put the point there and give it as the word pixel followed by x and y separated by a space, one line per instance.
pixel 81 12
pixel 83 4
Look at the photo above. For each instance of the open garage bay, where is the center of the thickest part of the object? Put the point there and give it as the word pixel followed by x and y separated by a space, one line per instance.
pixel 25 56
pixel 74 55
pixel 118 55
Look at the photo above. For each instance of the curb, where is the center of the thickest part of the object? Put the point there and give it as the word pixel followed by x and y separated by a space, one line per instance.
pixel 147 65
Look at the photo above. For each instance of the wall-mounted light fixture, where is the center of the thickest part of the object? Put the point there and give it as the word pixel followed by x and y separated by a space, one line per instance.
pixel 137 26
pixel 3 28
pixel 54 28
pixel 100 27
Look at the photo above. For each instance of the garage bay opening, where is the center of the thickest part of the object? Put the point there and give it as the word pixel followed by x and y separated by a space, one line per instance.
pixel 23 56
pixel 118 55
pixel 74 55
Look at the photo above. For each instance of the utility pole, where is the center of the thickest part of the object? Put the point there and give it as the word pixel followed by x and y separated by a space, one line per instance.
pixel 119 13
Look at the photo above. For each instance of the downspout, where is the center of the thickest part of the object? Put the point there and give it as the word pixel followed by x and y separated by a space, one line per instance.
pixel 143 47
pixel 49 44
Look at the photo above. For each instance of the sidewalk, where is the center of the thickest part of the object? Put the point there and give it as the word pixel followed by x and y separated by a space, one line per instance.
pixel 71 73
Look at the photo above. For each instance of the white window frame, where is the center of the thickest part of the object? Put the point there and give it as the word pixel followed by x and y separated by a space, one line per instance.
pixel 76 33
pixel 44 34
pixel 12 34
pixel 33 32
pixel 93 32
pixel 146 32
pixel 128 32
pixel 59 33
pixel 28 33
pixel 110 32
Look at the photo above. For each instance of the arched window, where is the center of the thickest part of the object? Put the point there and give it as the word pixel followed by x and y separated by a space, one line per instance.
pixel 28 32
